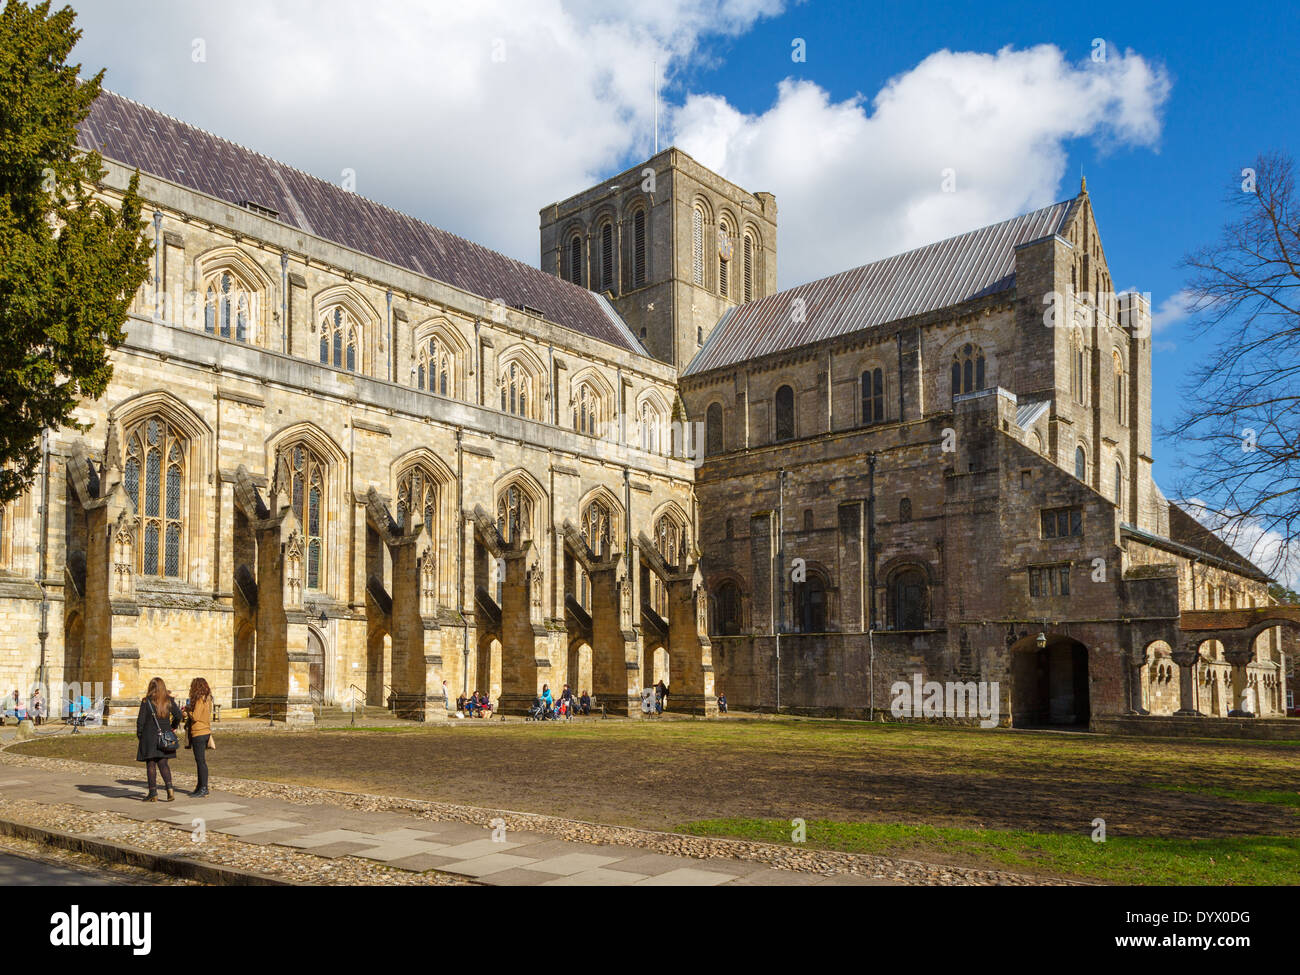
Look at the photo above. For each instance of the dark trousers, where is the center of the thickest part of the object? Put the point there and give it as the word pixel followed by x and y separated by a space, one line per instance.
pixel 152 766
pixel 200 747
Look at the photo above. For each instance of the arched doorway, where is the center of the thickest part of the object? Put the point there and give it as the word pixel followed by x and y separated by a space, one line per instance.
pixel 1049 684
pixel 316 666
pixel 487 667
pixel 579 674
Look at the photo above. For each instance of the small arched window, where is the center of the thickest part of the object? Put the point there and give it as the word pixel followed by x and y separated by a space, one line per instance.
pixel 968 370
pixel 1080 463
pixel 1121 389
pixel 727 615
pixel 785 426
pixel 638 249
pixel 1078 375
pixel 731 529
pixel 907 600
pixel 1119 485
pixel 808 521
pixel 810 605
pixel 154 477
pixel 873 396
pixel 713 429
pixel 340 340
pixel 697 244
pixel 905 510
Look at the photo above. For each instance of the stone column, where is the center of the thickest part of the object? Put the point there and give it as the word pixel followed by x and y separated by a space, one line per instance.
pixel 282 674
pixel 1187 659
pixel 1135 665
pixel 1240 659
pixel 615 657
pixel 524 666
pixel 690 654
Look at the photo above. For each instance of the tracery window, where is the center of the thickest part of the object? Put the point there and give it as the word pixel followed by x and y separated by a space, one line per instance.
pixel 967 370
pixel 226 310
pixel 597 527
pixel 514 515
pixel 340 340
pixel 587 410
pixel 516 389
pixel 435 367
pixel 670 539
pixel 154 477
pixel 307 475
pixel 418 492
pixel 651 421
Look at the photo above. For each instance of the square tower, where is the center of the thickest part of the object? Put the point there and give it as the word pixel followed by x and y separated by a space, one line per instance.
pixel 672 244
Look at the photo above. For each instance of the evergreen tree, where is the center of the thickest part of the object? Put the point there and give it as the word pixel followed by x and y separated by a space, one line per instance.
pixel 70 263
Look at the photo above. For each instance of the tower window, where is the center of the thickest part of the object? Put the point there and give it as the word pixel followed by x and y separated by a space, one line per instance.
pixel 575 259
pixel 697 245
pixel 607 257
pixel 638 249
pixel 785 426
pixel 749 268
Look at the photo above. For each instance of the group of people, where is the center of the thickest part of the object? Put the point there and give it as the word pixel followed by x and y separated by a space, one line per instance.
pixel 14 707
pixel 475 706
pixel 567 705
pixel 157 741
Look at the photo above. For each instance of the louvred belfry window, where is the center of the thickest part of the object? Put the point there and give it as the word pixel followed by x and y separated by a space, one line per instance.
pixel 154 478
pixel 697 244
pixel 749 268
pixel 575 259
pixel 607 257
pixel 638 249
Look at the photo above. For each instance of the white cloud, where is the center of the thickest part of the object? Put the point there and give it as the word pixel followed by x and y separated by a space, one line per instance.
pixel 1266 548
pixel 472 114
pixel 1178 307
pixel 408 94
pixel 855 182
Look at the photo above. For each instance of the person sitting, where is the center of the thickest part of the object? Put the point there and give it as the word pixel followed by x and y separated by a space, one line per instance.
pixel 722 702
pixel 584 703
pixel 548 702
pixel 484 705
pixel 460 704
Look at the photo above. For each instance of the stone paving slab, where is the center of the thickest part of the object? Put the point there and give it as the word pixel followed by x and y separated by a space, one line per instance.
pixel 411 842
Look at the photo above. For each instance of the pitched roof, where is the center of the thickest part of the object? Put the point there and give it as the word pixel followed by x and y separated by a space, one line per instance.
pixel 970 265
pixel 140 137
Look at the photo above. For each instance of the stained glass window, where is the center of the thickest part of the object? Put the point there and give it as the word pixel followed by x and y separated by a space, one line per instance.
pixel 159 497
pixel 307 476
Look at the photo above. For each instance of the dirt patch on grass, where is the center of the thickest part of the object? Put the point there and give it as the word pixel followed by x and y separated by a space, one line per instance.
pixel 660 775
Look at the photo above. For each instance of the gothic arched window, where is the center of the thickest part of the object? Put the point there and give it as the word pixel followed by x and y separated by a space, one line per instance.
pixel 873 396
pixel 968 370
pixel 785 413
pixel 651 422
pixel 727 614
pixel 514 514
pixel 516 389
pixel 587 410
pixel 154 477
pixel 1119 485
pixel 418 492
pixel 226 309
pixel 307 475
pixel 1080 463
pixel 435 367
pixel 340 340
pixel 670 539
pixel 1121 389
pixel 597 527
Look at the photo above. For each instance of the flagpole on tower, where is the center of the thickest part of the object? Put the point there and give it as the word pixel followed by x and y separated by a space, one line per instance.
pixel 654 95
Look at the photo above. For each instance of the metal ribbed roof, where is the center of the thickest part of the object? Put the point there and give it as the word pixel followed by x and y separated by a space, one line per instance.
pixel 139 137
pixel 970 265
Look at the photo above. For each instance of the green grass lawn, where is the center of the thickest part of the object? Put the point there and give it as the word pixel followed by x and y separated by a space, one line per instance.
pixel 1176 810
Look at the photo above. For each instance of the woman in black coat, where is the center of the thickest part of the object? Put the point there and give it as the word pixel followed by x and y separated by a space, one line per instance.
pixel 158 712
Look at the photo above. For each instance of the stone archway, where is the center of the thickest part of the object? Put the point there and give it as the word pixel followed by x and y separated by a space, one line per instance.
pixel 1049 684
pixel 578 675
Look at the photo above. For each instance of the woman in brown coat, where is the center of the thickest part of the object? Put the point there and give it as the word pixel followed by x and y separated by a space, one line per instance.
pixel 155 727
pixel 199 716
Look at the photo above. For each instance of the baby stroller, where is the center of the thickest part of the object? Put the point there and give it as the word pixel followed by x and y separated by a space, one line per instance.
pixel 538 712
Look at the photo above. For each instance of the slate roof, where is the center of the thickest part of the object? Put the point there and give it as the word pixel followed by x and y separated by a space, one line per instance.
pixel 140 137
pixel 952 271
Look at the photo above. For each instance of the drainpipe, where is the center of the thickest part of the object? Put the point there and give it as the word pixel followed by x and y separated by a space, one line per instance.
pixel 157 262
pixel 779 623
pixel 460 558
pixel 284 302
pixel 871 536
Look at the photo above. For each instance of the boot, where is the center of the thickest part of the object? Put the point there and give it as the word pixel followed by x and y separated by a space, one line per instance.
pixel 199 793
pixel 151 797
pixel 171 794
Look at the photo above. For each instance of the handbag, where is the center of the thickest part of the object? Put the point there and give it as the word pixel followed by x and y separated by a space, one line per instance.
pixel 167 740
pixel 212 742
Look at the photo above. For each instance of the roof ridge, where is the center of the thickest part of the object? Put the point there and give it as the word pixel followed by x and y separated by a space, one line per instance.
pixel 311 176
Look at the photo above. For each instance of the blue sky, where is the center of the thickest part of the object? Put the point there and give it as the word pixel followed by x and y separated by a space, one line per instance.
pixel 413 97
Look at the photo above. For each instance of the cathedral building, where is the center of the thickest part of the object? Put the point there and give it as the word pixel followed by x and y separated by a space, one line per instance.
pixel 349 457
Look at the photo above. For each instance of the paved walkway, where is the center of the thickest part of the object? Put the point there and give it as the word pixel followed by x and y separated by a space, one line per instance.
pixel 406 842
